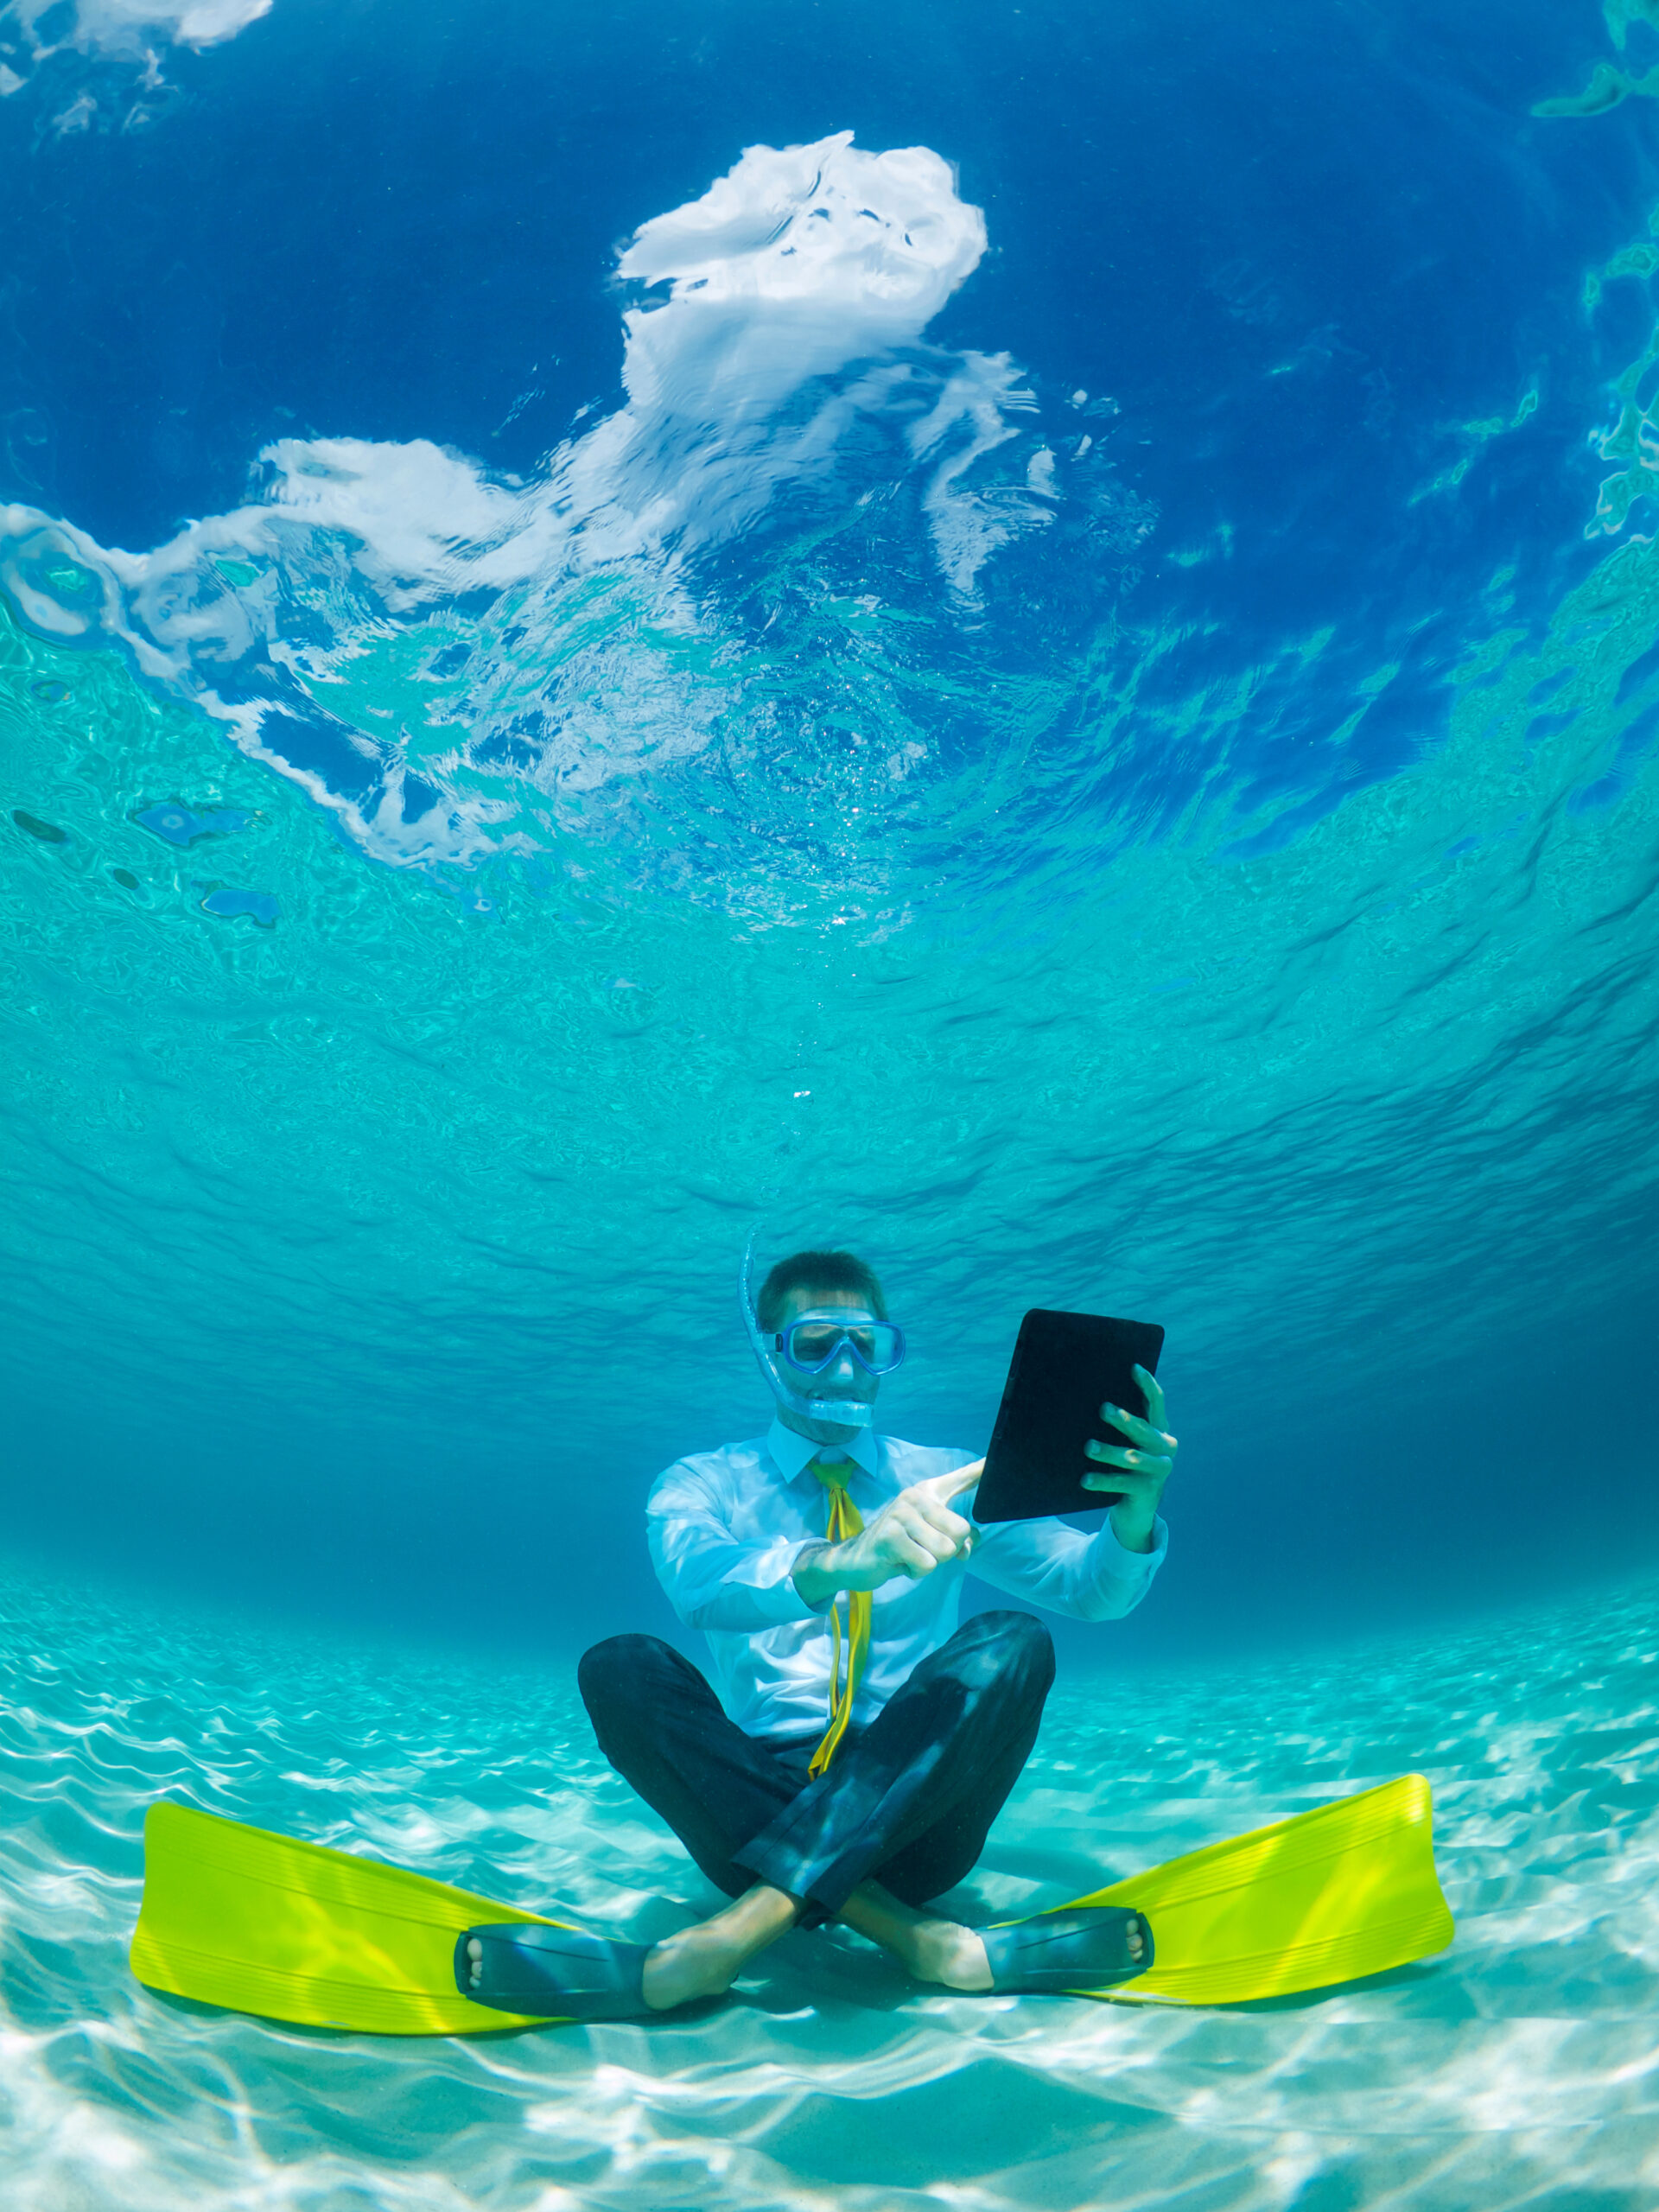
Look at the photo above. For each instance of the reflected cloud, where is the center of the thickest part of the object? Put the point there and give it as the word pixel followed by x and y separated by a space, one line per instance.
pixel 773 353
pixel 125 30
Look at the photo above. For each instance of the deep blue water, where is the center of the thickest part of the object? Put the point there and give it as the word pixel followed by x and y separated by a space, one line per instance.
pixel 1128 783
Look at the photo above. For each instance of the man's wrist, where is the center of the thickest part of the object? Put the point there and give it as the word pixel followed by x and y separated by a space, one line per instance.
pixel 813 1575
pixel 1134 1532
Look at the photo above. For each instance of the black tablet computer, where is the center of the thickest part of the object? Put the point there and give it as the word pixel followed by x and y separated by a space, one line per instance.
pixel 1066 1367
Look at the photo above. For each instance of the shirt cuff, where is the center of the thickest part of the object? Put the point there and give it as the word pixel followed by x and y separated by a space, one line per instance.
pixel 769 1580
pixel 1117 1561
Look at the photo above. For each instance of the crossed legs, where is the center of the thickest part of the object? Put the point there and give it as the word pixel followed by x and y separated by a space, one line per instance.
pixel 901 1815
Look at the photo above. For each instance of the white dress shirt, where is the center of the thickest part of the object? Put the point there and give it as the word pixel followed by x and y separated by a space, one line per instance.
pixel 727 1526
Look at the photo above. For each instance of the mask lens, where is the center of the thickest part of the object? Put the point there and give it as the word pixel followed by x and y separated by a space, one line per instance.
pixel 878 1346
pixel 813 1345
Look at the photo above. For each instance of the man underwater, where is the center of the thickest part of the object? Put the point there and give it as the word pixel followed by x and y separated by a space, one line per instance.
pixel 861 1744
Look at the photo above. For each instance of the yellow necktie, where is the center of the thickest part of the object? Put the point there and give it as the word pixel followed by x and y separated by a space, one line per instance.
pixel 845 1521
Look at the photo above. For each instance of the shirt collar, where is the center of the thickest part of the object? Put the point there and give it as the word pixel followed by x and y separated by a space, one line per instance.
pixel 793 1452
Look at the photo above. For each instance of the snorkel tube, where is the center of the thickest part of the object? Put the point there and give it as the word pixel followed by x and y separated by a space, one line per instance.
pixel 846 1413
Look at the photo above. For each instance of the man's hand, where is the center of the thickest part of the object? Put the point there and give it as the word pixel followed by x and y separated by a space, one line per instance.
pixel 1145 1465
pixel 915 1532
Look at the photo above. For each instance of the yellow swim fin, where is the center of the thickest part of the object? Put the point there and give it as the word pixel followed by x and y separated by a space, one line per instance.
pixel 262 1923
pixel 1347 1890
pixel 259 1922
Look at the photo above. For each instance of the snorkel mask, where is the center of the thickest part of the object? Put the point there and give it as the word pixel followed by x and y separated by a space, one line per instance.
pixel 811 1344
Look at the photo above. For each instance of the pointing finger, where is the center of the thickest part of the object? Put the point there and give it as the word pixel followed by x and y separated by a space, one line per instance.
pixel 946 1487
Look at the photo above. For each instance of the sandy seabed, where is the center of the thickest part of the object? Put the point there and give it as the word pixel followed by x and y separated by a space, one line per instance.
pixel 1519 2068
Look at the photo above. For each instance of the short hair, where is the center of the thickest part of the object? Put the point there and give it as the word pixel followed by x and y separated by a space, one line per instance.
pixel 841 1271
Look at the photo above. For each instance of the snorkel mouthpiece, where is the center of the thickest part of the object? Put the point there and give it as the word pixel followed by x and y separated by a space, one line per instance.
pixel 845 1412
pixel 849 1412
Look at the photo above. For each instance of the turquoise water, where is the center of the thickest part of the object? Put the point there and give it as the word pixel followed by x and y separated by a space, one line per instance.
pixel 1518 2068
pixel 1102 753
pixel 1366 1114
pixel 1024 638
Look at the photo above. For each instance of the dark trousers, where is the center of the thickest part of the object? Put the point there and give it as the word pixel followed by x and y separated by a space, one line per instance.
pixel 908 1800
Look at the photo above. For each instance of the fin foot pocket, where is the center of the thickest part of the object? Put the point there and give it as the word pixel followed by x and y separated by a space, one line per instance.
pixel 524 1968
pixel 1081 1950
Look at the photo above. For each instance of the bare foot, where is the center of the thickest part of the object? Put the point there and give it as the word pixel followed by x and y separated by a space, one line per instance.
pixel 705 1960
pixel 933 1950
pixel 941 1950
pixel 697 1962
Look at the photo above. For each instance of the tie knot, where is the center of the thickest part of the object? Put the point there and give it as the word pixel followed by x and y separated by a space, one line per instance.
pixel 832 1473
